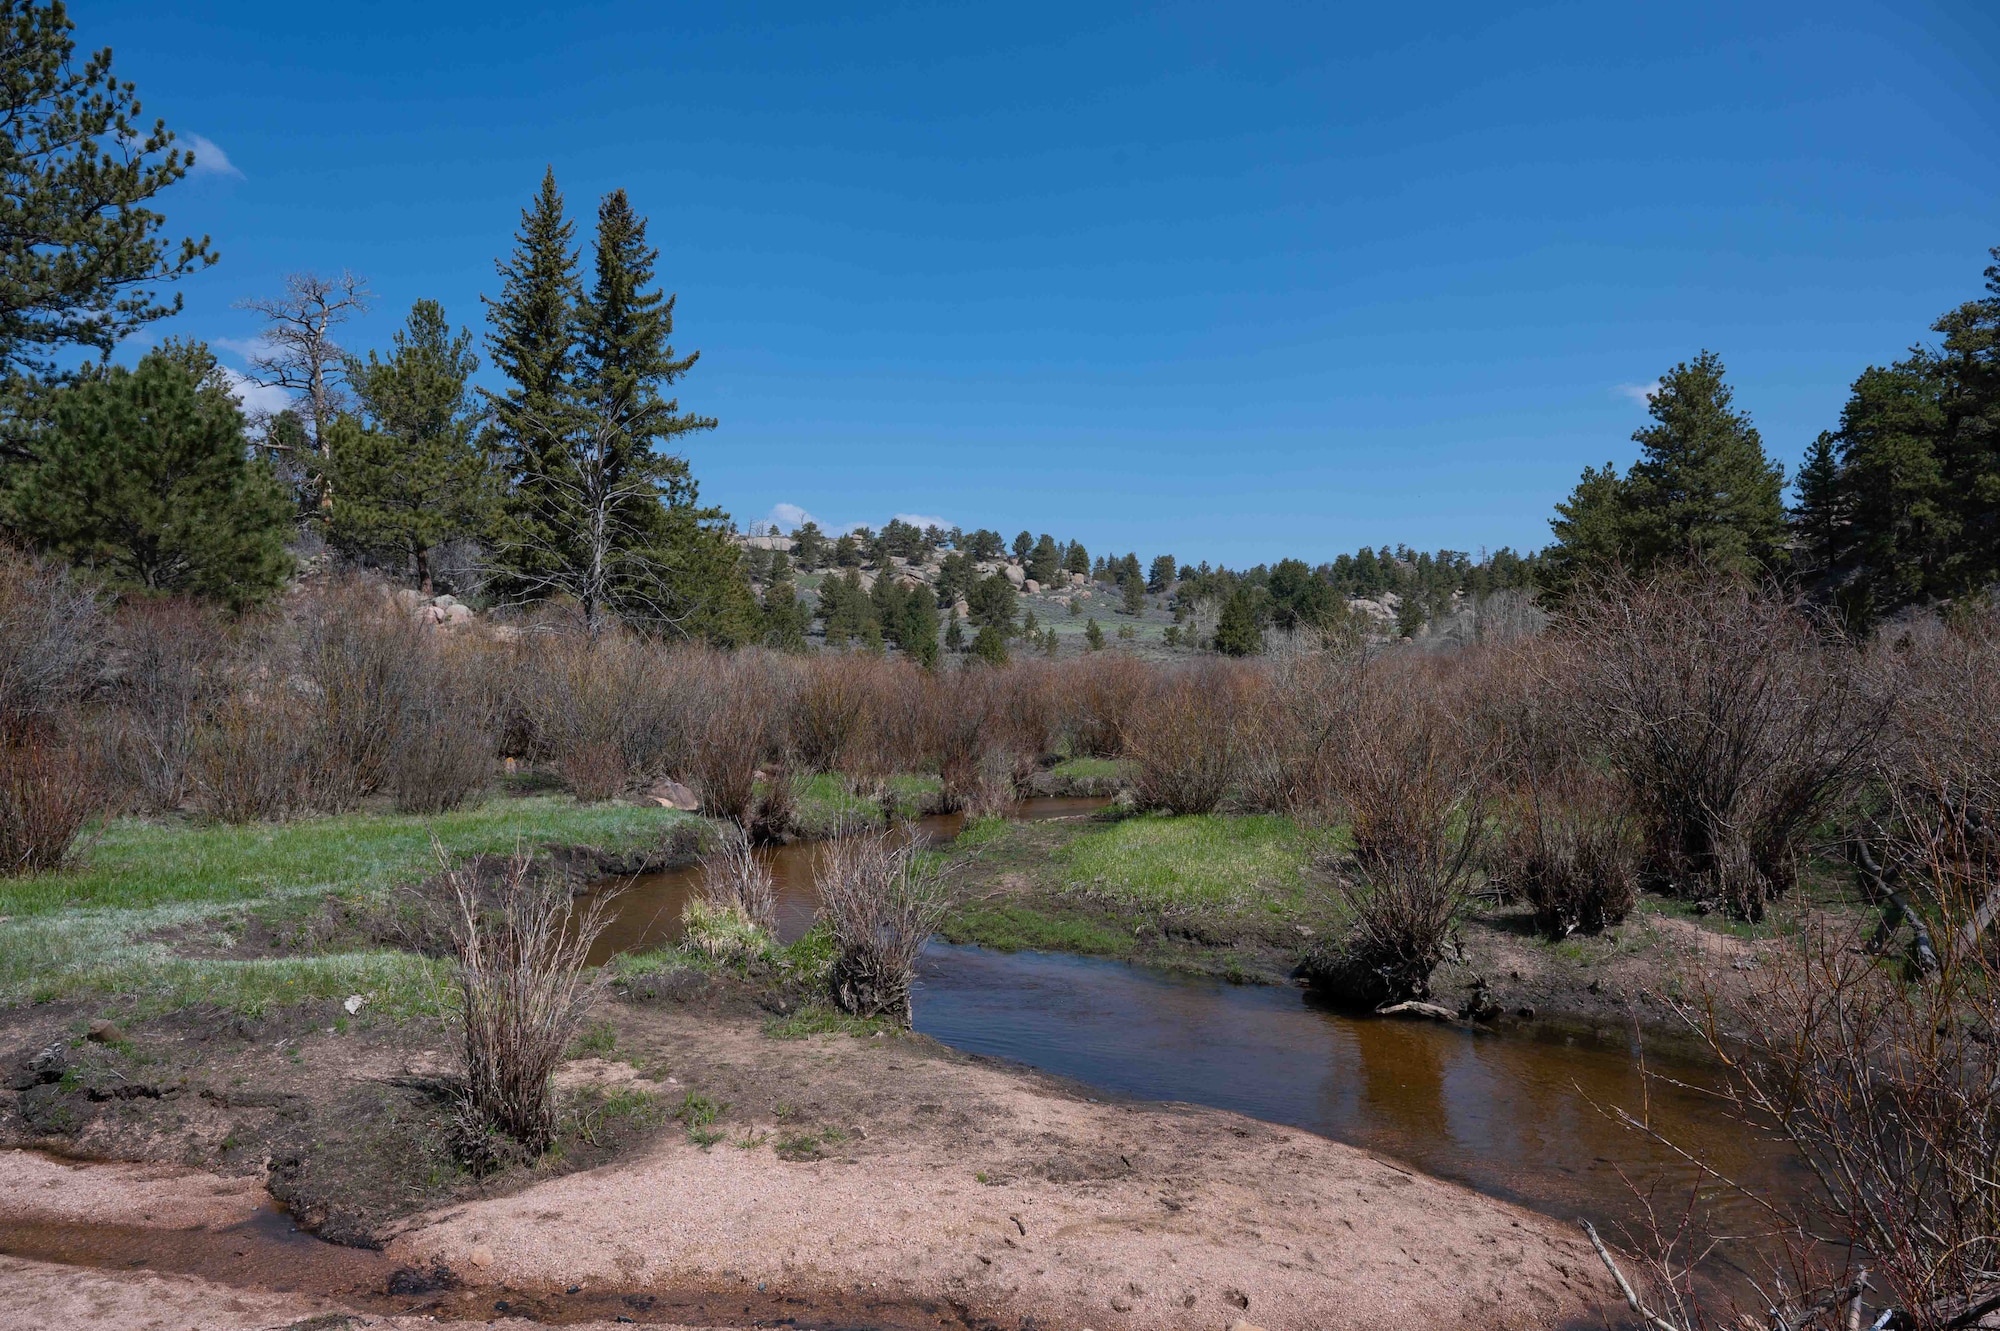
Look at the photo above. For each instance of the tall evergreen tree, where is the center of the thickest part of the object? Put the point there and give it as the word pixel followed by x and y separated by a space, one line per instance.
pixel 1905 510
pixel 145 476
pixel 604 518
pixel 1135 595
pixel 1702 489
pixel 533 343
pixel 1702 486
pixel 80 250
pixel 414 475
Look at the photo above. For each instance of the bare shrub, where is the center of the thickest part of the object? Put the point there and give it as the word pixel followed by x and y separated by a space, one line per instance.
pixel 1889 1092
pixel 1100 693
pixel 1735 721
pixel 360 656
pixel 882 900
pixel 172 654
pixel 831 707
pixel 1297 710
pixel 523 991
pixel 1930 846
pixel 1406 764
pixel 441 741
pixel 736 705
pixel 960 717
pixel 49 790
pixel 1563 838
pixel 1565 845
pixel 51 640
pixel 590 715
pixel 253 760
pixel 1186 741
pixel 736 913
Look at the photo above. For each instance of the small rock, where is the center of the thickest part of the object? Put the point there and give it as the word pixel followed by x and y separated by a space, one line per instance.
pixel 105 1032
pixel 481 1256
pixel 1120 1304
pixel 353 1003
pixel 1240 1325
pixel 1237 1297
pixel 1525 1013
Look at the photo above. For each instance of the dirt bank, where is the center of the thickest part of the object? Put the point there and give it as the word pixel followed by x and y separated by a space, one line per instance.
pixel 887 1180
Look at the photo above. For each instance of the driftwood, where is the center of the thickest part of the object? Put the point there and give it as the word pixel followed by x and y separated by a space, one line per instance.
pixel 1413 1008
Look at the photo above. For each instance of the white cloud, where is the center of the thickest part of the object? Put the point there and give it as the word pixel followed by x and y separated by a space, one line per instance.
pixel 210 160
pixel 785 517
pixel 256 398
pixel 1640 393
pixel 246 347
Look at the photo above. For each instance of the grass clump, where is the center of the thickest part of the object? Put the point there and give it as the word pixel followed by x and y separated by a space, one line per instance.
pixel 1202 862
pixel 1010 927
pixel 820 1019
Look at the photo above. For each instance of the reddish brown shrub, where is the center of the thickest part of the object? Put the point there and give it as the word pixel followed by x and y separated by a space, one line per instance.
pixel 1734 719
pixel 171 655
pixel 51 640
pixel 1099 694
pixel 49 790
pixel 1186 741
pixel 736 705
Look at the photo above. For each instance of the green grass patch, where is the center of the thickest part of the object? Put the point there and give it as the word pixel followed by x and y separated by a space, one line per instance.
pixel 1009 927
pixel 90 931
pixel 820 1019
pixel 825 804
pixel 980 833
pixel 1089 769
pixel 1211 861
pixel 138 864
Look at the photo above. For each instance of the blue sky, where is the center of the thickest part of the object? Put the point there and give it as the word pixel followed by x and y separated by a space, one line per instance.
pixel 1230 281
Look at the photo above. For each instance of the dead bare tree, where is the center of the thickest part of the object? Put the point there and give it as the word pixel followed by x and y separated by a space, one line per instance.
pixel 302 357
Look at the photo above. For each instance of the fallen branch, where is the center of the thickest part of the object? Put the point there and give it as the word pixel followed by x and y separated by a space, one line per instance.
pixel 1414 1008
pixel 1652 1319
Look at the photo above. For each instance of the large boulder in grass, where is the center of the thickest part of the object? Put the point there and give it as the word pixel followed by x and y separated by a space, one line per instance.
pixel 960 608
pixel 457 614
pixel 670 794
pixel 1031 586
pixel 1015 574
pixel 1078 579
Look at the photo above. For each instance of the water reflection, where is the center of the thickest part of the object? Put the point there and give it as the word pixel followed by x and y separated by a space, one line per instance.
pixel 1508 1114
pixel 646 911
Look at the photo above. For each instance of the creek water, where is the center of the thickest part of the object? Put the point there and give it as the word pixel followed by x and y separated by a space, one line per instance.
pixel 1526 1113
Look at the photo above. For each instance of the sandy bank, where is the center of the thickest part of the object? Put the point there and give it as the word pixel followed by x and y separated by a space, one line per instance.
pixel 894 1173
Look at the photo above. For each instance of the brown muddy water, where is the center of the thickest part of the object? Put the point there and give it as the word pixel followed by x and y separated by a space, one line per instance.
pixel 646 909
pixel 1525 1113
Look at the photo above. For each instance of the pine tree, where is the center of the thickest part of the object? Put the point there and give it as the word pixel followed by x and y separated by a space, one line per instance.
pixel 78 166
pixel 414 477
pixel 954 633
pixel 1077 559
pixel 1093 636
pixel 145 475
pixel 533 344
pixel 603 517
pixel 810 546
pixel 1820 519
pixel 1236 632
pixel 1045 561
pixel 919 632
pixel 990 645
pixel 1702 486
pixel 1135 595
pixel 1024 545
pixel 1161 575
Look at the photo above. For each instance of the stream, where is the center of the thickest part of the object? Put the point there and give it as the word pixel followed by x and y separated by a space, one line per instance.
pixel 1524 1113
